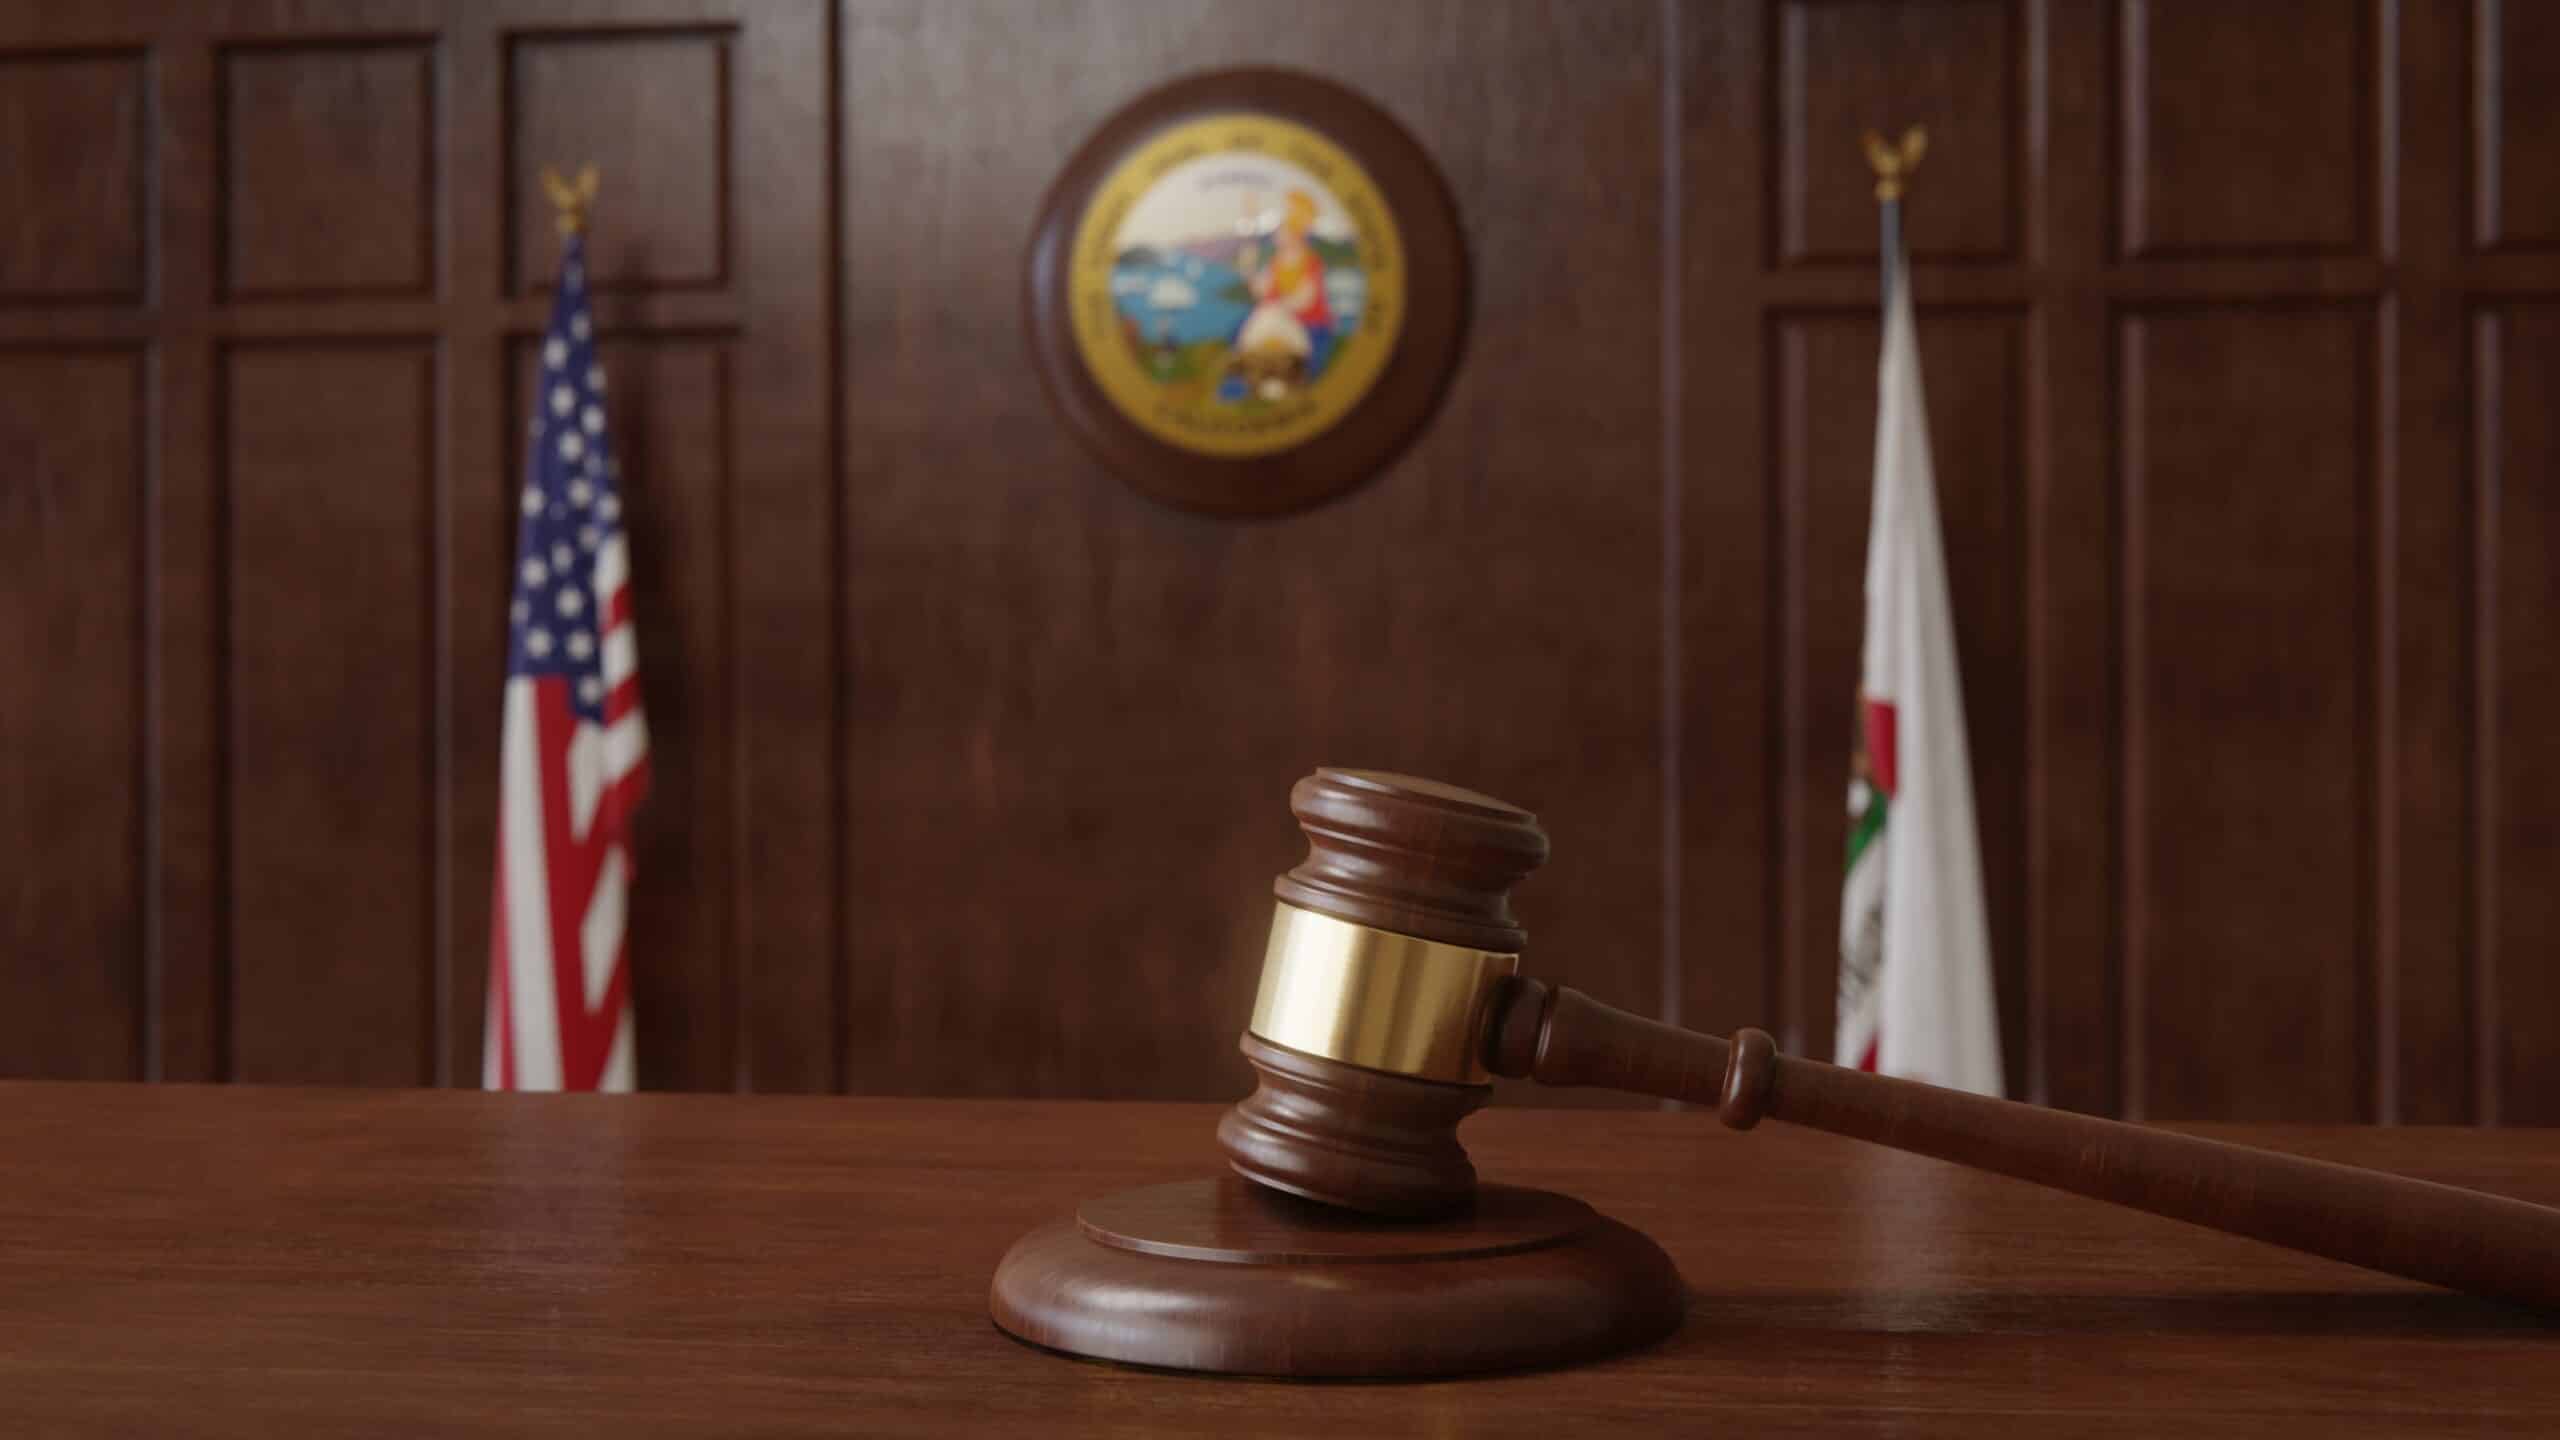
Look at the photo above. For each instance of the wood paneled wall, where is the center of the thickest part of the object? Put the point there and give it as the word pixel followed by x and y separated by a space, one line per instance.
pixel 267 271
pixel 972 763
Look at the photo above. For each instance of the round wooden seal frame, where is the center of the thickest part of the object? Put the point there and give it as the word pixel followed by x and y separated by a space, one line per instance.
pixel 1246 292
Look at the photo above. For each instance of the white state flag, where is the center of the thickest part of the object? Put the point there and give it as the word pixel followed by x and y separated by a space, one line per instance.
pixel 1915 950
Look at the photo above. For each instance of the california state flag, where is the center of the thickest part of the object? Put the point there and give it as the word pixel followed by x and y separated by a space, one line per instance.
pixel 1915 952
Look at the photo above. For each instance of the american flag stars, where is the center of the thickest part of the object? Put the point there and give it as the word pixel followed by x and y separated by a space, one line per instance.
pixel 571 515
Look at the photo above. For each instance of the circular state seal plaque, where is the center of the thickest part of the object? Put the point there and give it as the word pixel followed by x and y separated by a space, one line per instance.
pixel 1246 291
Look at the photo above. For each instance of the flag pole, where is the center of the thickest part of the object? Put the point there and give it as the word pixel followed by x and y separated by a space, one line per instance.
pixel 1893 163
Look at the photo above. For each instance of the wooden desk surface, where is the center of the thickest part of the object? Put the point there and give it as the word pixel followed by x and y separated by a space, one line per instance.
pixel 249 1262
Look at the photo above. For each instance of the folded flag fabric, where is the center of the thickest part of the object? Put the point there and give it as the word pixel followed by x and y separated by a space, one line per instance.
pixel 1915 951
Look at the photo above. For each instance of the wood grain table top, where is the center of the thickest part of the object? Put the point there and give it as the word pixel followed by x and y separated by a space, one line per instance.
pixel 202 1261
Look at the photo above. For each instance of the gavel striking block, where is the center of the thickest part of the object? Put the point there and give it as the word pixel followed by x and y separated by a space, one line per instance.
pixel 1358 1241
pixel 1352 1239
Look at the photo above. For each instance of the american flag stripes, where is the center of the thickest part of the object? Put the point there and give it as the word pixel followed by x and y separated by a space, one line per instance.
pixel 574 757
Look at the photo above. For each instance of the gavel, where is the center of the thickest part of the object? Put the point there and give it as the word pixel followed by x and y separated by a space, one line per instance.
pixel 1391 996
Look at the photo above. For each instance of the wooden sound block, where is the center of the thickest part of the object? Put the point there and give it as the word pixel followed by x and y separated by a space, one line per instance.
pixel 1227 1276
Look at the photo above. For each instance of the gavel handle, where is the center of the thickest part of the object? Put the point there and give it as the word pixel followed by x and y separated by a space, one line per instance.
pixel 2464 1239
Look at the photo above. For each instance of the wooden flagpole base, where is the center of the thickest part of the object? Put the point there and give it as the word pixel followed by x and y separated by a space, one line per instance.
pixel 1230 1277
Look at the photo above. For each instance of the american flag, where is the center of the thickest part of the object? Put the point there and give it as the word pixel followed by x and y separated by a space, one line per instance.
pixel 574 759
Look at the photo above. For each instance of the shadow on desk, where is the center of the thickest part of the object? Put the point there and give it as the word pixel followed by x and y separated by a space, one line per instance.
pixel 2362 1312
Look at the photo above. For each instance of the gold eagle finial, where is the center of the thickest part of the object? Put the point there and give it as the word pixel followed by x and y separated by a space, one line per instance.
pixel 1893 163
pixel 571 198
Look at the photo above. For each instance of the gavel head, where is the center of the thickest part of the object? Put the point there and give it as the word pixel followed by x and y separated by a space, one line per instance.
pixel 1390 948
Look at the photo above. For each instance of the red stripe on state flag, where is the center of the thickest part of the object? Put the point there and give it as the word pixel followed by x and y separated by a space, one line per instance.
pixel 1877 716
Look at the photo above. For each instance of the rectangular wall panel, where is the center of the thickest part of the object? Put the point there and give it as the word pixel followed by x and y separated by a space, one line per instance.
pixel 328 184
pixel 653 113
pixel 1842 69
pixel 669 401
pixel 328 467
pixel 1825 370
pixel 71 711
pixel 71 195
pixel 2246 567
pixel 2515 124
pixel 2246 129
pixel 2517 800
